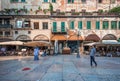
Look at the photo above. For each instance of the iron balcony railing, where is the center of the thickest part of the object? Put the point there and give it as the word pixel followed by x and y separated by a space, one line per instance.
pixel 5 26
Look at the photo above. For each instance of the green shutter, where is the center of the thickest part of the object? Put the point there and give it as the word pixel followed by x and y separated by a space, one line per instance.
pixel 13 0
pixel 54 1
pixel 72 1
pixel 45 0
pixel 62 26
pixel 54 27
pixel 22 0
pixel 72 25
pixel 105 24
pixel 88 24
pixel 97 24
pixel 113 24
pixel 119 25
pixel 80 24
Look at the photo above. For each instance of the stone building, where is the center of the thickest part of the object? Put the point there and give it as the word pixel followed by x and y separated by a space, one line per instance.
pixel 28 20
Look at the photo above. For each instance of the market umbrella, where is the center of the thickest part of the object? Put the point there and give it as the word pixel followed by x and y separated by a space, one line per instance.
pixel 37 43
pixel 12 43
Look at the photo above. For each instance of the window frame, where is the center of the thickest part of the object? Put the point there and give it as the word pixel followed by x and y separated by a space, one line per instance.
pixel 44 25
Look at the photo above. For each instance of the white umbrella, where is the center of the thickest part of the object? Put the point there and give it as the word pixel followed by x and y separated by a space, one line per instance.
pixel 12 43
pixel 56 46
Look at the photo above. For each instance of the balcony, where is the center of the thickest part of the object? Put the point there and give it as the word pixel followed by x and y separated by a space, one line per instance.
pixel 59 31
pixel 84 14
pixel 9 26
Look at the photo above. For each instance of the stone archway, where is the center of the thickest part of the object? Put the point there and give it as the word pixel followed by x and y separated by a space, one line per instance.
pixel 92 37
pixel 23 38
pixel 41 37
pixel 109 37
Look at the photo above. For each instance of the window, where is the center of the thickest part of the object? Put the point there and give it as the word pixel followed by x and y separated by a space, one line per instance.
pixel 70 1
pixel 97 24
pixel 19 24
pixel 12 1
pixel 16 32
pixel 88 24
pixel 72 25
pixel 7 33
pixel 26 23
pixel 1 33
pixel 0 21
pixel 83 1
pixel 6 21
pixel 23 1
pixel 99 1
pixel 105 25
pixel 45 25
pixel 62 26
pixel 119 25
pixel 113 24
pixel 53 1
pixel 112 1
pixel 80 24
pixel 36 25
pixel 45 1
pixel 54 27
pixel 29 32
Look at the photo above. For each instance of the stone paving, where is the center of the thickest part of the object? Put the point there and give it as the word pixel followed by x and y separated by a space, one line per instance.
pixel 59 68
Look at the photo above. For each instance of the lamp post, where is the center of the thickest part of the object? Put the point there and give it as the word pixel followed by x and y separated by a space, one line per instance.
pixel 78 44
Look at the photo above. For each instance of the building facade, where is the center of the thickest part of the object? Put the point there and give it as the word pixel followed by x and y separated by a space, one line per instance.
pixel 50 20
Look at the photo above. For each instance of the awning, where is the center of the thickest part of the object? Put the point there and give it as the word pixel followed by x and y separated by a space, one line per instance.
pixel 12 43
pixel 74 38
pixel 37 43
pixel 58 37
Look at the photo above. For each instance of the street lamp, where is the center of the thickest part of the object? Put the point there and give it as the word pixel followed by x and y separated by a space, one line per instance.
pixel 78 44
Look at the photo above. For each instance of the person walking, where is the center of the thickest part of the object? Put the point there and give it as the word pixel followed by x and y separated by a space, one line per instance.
pixel 92 56
pixel 36 53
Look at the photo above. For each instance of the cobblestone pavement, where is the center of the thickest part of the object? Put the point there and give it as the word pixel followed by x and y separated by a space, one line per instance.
pixel 59 68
